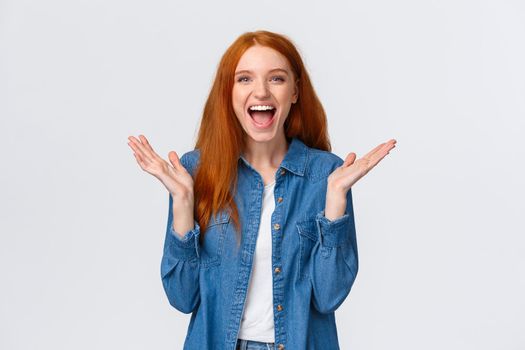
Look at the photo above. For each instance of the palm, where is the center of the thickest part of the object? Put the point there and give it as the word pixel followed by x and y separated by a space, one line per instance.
pixel 174 176
pixel 352 170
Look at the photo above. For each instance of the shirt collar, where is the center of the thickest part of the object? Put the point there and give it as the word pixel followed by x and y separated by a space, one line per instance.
pixel 295 158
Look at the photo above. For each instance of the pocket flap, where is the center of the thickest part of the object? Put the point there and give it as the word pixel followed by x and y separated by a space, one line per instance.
pixel 221 218
pixel 308 229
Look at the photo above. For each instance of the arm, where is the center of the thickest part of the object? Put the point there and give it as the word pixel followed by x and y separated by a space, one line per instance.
pixel 334 259
pixel 180 264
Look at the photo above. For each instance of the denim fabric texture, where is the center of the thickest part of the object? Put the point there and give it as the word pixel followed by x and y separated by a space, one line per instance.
pixel 253 345
pixel 314 259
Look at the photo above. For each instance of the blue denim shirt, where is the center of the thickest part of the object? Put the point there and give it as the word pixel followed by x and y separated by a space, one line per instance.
pixel 314 259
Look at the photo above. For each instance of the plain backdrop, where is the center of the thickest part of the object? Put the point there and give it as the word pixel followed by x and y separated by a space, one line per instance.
pixel 439 220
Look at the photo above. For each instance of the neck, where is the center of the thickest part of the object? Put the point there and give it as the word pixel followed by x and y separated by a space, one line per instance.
pixel 268 154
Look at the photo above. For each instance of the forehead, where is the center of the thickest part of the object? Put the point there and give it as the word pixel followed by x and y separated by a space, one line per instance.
pixel 262 58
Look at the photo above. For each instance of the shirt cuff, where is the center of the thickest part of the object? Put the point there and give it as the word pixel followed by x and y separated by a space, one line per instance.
pixel 333 233
pixel 187 245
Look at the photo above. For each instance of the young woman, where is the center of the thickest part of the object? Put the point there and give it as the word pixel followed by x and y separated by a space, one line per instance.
pixel 260 241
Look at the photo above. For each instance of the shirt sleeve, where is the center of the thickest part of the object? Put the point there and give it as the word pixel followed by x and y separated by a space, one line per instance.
pixel 180 264
pixel 334 259
pixel 184 247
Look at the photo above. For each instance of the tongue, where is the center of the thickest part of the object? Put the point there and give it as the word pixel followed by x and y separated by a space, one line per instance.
pixel 262 117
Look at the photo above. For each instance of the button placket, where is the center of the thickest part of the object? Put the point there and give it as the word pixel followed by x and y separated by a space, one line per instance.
pixel 276 227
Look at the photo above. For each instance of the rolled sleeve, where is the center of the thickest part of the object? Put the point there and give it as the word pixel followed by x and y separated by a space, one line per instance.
pixel 185 246
pixel 333 233
pixel 334 262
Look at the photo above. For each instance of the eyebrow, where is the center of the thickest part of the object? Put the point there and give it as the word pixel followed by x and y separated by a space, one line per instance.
pixel 272 70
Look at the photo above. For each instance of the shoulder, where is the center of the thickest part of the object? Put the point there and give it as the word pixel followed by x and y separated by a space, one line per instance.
pixel 321 163
pixel 190 160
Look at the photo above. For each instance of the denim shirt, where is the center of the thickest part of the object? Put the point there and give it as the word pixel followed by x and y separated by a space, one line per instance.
pixel 314 259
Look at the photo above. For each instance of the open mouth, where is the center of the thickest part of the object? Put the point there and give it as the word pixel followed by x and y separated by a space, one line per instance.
pixel 262 115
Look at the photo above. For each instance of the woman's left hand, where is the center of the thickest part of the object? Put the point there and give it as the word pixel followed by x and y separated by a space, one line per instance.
pixel 345 176
pixel 352 170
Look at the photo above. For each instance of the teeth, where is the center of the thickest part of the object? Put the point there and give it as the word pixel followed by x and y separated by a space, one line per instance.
pixel 261 108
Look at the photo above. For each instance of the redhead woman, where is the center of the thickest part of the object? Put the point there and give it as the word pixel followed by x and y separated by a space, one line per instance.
pixel 260 242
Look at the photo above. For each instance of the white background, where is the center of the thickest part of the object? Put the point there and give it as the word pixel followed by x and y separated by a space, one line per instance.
pixel 439 220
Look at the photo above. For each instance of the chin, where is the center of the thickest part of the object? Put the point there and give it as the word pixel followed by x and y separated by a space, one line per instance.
pixel 261 137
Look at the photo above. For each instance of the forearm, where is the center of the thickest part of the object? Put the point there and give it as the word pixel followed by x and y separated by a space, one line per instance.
pixel 335 202
pixel 183 218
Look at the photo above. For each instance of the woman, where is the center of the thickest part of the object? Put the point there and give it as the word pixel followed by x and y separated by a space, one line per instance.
pixel 260 241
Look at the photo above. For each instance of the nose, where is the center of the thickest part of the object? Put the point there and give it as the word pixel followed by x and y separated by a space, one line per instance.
pixel 261 90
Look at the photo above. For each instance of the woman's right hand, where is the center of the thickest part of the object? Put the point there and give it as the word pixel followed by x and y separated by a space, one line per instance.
pixel 175 178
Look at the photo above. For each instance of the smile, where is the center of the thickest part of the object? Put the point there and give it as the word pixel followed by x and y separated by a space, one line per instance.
pixel 262 116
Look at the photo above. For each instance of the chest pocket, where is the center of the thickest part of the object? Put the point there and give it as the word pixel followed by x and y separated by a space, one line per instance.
pixel 308 238
pixel 212 247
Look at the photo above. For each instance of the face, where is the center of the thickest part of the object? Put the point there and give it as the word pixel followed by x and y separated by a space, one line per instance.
pixel 263 92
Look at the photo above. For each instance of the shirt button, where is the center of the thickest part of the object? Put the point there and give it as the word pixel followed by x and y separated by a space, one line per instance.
pixel 280 347
pixel 283 171
pixel 276 226
pixel 280 199
pixel 279 307
pixel 277 270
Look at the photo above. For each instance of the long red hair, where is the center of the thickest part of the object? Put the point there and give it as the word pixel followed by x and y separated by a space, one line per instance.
pixel 220 138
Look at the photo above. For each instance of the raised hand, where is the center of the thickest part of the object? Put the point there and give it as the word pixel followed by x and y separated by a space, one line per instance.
pixel 345 176
pixel 174 176
pixel 352 170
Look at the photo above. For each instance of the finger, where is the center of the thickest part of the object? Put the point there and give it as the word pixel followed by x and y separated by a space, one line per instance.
pixel 138 150
pixel 139 160
pixel 381 150
pixel 175 160
pixel 350 158
pixel 387 145
pixel 374 159
pixel 369 154
pixel 147 145
pixel 144 152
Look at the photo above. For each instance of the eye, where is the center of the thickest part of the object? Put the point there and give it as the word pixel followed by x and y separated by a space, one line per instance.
pixel 278 78
pixel 242 79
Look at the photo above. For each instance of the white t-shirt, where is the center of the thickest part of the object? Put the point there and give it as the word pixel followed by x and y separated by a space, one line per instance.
pixel 257 320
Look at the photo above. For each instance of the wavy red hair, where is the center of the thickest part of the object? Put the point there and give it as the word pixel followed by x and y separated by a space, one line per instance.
pixel 220 137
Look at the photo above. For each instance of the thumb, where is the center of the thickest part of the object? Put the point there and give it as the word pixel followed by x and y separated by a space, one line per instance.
pixel 350 158
pixel 174 159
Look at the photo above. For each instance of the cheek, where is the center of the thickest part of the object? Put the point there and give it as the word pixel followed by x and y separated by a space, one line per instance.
pixel 238 105
pixel 285 94
pixel 238 98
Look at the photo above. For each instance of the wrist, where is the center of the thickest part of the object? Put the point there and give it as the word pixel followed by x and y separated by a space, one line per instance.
pixel 335 193
pixel 335 203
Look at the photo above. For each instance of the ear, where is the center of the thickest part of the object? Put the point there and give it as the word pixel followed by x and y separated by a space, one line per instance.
pixel 296 91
